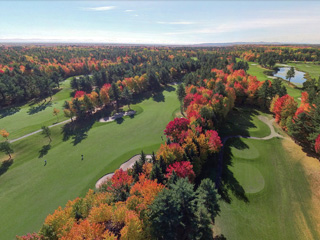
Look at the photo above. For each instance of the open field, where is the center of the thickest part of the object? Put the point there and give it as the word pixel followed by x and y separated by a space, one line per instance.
pixel 22 120
pixel 313 70
pixel 281 187
pixel 29 191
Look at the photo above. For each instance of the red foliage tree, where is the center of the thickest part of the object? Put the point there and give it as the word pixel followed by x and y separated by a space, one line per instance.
pixel 317 144
pixel 176 128
pixel 183 169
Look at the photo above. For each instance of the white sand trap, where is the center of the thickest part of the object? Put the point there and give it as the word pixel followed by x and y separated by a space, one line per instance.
pixel 117 115
pixel 125 166
pixel 254 64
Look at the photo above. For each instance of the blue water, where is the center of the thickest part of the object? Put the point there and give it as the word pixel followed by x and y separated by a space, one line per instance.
pixel 298 78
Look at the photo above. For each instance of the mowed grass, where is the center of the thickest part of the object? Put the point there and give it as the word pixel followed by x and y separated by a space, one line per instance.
pixel 245 122
pixel 27 119
pixel 312 69
pixel 278 191
pixel 29 191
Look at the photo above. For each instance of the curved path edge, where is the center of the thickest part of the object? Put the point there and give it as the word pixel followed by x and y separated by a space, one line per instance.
pixel 273 134
pixel 125 166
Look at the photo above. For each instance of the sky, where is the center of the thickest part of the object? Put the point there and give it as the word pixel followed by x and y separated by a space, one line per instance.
pixel 160 22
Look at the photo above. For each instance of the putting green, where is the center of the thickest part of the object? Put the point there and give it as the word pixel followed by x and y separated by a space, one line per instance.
pixel 249 177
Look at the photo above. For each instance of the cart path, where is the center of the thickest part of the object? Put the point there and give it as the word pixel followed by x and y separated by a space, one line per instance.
pixel 125 166
pixel 107 119
pixel 273 134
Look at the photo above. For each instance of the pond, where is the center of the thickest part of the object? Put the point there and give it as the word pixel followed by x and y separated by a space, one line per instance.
pixel 298 78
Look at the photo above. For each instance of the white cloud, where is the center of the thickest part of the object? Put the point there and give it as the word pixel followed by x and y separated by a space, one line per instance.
pixel 177 23
pixel 105 8
pixel 136 15
pixel 129 10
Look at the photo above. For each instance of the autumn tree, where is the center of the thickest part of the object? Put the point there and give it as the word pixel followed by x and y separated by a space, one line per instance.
pixel 56 113
pixel 4 134
pixel 6 148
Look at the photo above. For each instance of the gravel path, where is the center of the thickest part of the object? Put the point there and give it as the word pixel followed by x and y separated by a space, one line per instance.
pixel 273 134
pixel 125 166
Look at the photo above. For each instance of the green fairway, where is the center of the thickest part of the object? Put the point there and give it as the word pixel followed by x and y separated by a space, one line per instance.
pixel 312 69
pixel 27 119
pixel 29 191
pixel 278 191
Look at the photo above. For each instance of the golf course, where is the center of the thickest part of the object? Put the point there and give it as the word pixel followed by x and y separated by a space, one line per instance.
pixel 29 191
pixel 279 182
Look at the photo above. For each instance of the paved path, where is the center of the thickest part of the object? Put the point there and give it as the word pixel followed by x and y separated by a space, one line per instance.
pixel 40 130
pixel 273 134
pixel 125 166
pixel 108 119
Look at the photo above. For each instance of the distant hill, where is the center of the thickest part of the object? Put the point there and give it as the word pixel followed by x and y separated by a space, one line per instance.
pixel 236 43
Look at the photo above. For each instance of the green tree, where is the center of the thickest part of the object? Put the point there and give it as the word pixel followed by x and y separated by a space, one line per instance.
pixel 290 74
pixel 6 148
pixel 115 94
pixel 46 132
pixel 181 92
pixel 126 94
pixel 181 213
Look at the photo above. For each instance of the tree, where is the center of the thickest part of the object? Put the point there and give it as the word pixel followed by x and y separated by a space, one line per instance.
pixel 4 134
pixel 56 113
pixel 181 92
pixel 46 132
pixel 88 104
pixel 290 74
pixel 6 148
pixel 179 212
pixel 115 94
pixel 317 144
pixel 153 81
pixel 126 94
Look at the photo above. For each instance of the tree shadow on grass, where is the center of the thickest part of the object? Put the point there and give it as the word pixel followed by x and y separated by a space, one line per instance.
pixel 239 120
pixel 44 150
pixel 77 130
pixel 119 120
pixel 169 88
pixel 9 111
pixel 5 166
pixel 227 182
pixel 39 108
pixel 158 97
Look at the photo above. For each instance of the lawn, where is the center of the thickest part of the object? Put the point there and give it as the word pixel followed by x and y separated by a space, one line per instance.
pixel 29 191
pixel 278 202
pixel 26 119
